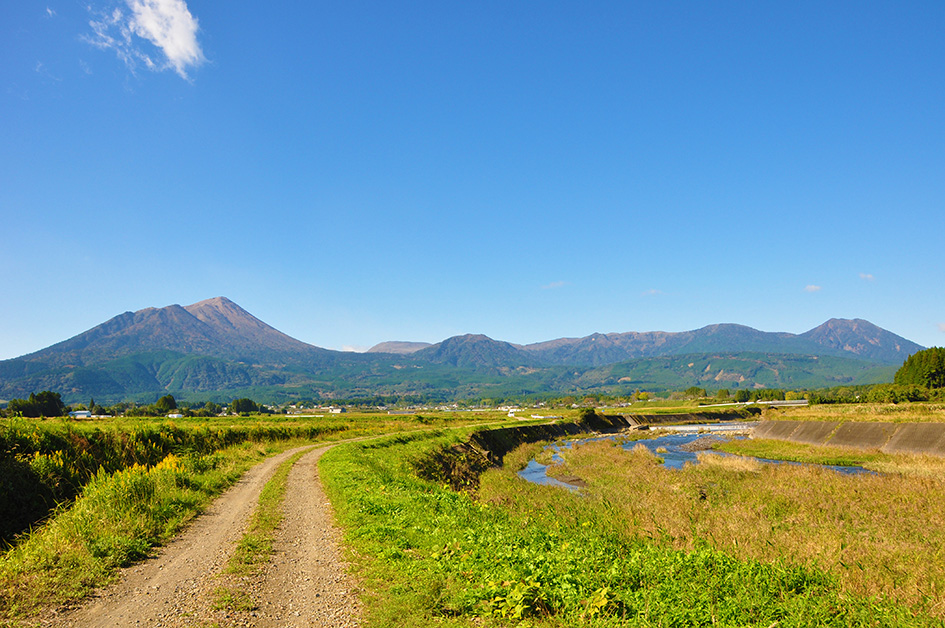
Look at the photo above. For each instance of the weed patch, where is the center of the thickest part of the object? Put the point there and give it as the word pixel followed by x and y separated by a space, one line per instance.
pixel 116 519
pixel 521 554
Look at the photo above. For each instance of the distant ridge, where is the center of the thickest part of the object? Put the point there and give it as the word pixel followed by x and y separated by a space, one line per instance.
pixel 216 348
pixel 837 337
pixel 476 351
pixel 215 327
pixel 862 338
pixel 398 347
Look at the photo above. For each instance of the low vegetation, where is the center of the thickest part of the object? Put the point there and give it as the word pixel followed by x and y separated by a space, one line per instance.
pixel 867 412
pixel 731 543
pixel 46 464
pixel 91 496
pixel 877 536
pixel 116 520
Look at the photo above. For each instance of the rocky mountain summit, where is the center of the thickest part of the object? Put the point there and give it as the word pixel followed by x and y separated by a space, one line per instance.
pixel 215 346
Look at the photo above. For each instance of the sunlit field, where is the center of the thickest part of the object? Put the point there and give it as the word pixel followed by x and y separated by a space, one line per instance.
pixel 727 542
pixel 82 498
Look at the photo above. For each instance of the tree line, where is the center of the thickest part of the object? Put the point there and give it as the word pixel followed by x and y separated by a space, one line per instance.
pixel 49 404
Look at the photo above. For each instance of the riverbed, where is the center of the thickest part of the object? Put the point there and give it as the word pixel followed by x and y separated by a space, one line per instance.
pixel 682 445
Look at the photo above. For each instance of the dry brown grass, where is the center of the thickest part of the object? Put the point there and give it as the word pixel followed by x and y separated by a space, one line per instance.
pixel 910 464
pixel 879 534
pixel 887 412
pixel 731 463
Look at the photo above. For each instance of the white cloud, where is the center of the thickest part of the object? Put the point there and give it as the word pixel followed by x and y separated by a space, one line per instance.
pixel 652 292
pixel 50 12
pixel 866 277
pixel 941 327
pixel 167 24
pixel 811 288
pixel 555 284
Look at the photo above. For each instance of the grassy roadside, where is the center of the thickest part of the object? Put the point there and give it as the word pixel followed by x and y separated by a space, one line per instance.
pixel 115 521
pixel 527 555
pixel 124 486
pixel 44 464
pixel 255 547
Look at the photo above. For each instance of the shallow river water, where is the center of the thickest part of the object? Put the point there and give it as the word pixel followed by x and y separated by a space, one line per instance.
pixel 669 447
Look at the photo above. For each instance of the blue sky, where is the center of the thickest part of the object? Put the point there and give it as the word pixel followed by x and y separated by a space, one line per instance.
pixel 355 172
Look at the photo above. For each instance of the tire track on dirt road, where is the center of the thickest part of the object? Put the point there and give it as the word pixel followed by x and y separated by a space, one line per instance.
pixel 306 584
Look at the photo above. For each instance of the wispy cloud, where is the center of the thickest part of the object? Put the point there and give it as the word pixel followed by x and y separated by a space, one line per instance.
pixel 652 292
pixel 167 24
pixel 811 288
pixel 941 327
pixel 866 277
pixel 50 12
pixel 43 71
pixel 554 285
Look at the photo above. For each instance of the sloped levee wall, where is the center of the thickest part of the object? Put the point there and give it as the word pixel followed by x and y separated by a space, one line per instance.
pixel 890 438
pixel 499 442
pixel 496 443
pixel 745 413
pixel 460 465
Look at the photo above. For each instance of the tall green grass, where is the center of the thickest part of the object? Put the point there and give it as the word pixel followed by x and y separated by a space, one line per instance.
pixel 528 555
pixel 87 498
pixel 45 464
pixel 116 520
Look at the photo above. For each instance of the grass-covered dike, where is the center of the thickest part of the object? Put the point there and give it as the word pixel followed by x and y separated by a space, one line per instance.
pixel 516 554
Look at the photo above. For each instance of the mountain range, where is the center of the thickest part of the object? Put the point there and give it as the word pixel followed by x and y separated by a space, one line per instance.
pixel 216 350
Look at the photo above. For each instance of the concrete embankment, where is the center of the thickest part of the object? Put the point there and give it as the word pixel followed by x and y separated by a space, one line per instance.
pixel 890 438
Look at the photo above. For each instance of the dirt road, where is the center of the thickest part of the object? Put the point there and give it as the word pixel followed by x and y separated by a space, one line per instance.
pixel 304 585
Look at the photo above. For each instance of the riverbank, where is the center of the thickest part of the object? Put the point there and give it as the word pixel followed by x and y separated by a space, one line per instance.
pixel 888 438
pixel 725 544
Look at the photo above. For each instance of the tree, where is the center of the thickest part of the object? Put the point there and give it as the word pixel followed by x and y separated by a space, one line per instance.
pixel 741 396
pixel 50 403
pixel 722 394
pixel 46 403
pixel 166 403
pixel 694 392
pixel 769 394
pixel 244 405
pixel 925 368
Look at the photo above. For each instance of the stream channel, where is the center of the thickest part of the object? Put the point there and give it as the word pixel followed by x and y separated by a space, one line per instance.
pixel 671 447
